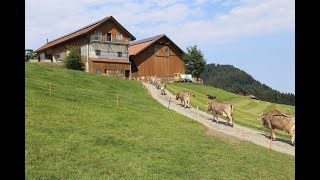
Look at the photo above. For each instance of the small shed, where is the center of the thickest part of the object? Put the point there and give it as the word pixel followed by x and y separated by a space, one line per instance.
pixel 242 92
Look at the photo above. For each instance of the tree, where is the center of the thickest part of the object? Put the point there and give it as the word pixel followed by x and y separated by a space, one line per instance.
pixel 73 59
pixel 195 62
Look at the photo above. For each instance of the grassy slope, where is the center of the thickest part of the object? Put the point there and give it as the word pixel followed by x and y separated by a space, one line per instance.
pixel 78 134
pixel 245 110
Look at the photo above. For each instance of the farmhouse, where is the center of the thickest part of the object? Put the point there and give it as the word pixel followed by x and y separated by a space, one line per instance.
pixel 156 56
pixel 108 48
pixel 104 47
pixel 242 92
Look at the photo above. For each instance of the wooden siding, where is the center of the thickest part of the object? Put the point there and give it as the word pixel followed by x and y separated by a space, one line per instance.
pixel 64 46
pixel 149 64
pixel 241 93
pixel 93 66
pixel 111 27
pixel 107 27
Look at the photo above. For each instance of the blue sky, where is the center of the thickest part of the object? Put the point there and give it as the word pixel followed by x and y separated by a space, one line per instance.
pixel 257 36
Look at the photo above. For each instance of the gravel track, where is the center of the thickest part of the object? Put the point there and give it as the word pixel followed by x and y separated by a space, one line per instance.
pixel 220 129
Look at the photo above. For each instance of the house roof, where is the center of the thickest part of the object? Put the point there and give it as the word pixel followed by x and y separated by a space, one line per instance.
pixel 241 90
pixel 136 47
pixel 245 92
pixel 110 60
pixel 82 31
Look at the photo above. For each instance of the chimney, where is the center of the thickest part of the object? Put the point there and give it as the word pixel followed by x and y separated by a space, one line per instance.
pixel 47 40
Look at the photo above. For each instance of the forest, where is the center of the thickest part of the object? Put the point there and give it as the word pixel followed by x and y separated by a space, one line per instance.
pixel 230 78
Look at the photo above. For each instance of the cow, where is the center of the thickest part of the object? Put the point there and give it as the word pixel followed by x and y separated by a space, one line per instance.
pixel 221 108
pixel 162 86
pixel 278 120
pixel 157 82
pixel 184 97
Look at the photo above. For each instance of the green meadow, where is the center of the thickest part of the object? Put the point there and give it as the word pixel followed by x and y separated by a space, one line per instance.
pixel 78 132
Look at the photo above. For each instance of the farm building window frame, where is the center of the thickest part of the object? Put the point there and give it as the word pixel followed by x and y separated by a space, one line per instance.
pixel 98 34
pixel 109 37
pixel 156 51
pixel 98 71
pixel 98 52
pixel 166 51
pixel 119 54
pixel 119 36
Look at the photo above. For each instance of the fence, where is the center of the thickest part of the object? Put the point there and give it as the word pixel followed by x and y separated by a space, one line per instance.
pixel 54 89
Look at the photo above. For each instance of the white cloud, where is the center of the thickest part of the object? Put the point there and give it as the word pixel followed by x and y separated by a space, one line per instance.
pixel 175 18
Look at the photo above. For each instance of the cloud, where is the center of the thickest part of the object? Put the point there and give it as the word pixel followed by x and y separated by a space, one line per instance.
pixel 181 21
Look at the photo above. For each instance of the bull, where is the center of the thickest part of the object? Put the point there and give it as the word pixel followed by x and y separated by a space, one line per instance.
pixel 221 108
pixel 278 120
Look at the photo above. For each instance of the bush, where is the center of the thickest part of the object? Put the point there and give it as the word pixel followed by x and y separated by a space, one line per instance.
pixel 73 59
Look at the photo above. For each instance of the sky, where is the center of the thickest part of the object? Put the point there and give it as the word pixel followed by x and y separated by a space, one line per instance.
pixel 257 36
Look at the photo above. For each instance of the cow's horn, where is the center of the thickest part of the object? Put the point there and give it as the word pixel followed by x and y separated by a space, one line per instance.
pixel 260 114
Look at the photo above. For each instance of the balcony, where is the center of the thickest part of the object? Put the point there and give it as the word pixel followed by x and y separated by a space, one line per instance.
pixel 112 55
pixel 95 38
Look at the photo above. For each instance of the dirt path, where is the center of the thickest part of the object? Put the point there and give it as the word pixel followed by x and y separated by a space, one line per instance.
pixel 237 133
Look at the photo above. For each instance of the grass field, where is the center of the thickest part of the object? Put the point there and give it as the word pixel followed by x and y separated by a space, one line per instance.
pixel 77 133
pixel 246 110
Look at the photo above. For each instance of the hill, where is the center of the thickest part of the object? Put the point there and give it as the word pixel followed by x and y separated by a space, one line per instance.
pixel 78 133
pixel 230 78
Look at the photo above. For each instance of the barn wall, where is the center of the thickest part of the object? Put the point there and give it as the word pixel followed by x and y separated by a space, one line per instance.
pixel 149 64
pixel 93 66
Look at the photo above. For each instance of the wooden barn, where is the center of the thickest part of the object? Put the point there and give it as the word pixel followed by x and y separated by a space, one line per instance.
pixel 104 47
pixel 242 92
pixel 156 56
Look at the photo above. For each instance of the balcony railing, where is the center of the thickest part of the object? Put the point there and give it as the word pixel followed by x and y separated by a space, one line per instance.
pixel 108 39
pixel 113 55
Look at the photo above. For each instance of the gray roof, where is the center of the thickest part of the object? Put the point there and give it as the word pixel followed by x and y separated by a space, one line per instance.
pixel 144 40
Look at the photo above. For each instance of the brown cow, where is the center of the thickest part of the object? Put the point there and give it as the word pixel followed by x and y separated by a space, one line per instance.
pixel 184 97
pixel 162 87
pixel 278 120
pixel 221 108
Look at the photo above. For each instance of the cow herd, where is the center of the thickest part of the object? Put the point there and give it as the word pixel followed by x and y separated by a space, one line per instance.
pixel 271 120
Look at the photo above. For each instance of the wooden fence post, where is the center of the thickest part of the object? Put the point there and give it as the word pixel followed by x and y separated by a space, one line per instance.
pixel 197 112
pixel 169 103
pixel 50 88
pixel 117 101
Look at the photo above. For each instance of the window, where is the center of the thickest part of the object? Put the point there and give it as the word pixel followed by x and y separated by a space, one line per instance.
pixel 119 37
pixel 156 50
pixel 98 71
pixel 98 35
pixel 119 54
pixel 109 38
pixel 83 50
pixel 166 52
pixel 98 52
pixel 42 56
